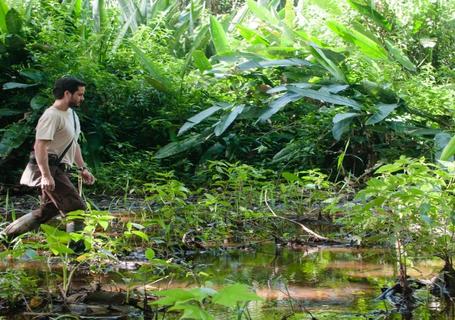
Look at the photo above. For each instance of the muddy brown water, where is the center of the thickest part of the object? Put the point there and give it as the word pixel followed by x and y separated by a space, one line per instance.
pixel 337 281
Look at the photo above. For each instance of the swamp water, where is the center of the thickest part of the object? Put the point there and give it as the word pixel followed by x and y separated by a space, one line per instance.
pixel 328 282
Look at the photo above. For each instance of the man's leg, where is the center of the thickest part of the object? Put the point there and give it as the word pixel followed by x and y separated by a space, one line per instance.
pixel 66 199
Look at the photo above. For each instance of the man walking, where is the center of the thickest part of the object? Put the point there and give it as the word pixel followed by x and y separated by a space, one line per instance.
pixel 55 151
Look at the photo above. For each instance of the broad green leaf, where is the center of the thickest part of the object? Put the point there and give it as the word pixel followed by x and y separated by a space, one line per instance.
pixel 159 81
pixel 327 63
pixel 104 224
pixel 140 234
pixel 13 21
pixel 191 311
pixel 174 148
pixel 389 168
pixel 343 116
pixel 198 42
pixel 341 124
pixel 15 135
pixel 279 104
pixel 398 55
pixel 58 248
pixel 331 6
pixel 3 12
pixel 16 85
pixel 230 296
pixel 440 141
pixel 252 36
pixel 198 118
pixel 200 60
pixel 365 44
pixel 370 12
pixel 272 63
pixel 150 254
pixel 263 13
pixel 56 234
pixel 448 151
pixel 227 120
pixel 219 37
pixel 326 97
pixel 172 296
pixel 290 177
pixel 383 110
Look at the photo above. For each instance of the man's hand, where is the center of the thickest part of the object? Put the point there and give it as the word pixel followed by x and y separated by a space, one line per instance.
pixel 47 183
pixel 87 177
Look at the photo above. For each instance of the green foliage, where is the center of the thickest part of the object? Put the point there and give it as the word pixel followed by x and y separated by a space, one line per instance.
pixel 192 302
pixel 410 202
pixel 16 286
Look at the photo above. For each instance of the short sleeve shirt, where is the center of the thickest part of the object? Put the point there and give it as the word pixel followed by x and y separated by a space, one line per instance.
pixel 59 127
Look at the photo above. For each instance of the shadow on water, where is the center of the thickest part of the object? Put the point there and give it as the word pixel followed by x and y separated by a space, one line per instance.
pixel 328 282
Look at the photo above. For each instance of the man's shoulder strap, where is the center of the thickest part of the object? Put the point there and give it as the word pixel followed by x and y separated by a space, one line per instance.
pixel 71 142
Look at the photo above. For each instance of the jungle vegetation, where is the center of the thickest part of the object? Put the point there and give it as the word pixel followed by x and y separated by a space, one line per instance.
pixel 225 116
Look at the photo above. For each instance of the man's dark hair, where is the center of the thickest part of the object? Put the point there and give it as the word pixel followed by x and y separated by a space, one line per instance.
pixel 66 83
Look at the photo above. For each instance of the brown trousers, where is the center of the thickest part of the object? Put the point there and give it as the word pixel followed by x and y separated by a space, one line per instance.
pixel 65 196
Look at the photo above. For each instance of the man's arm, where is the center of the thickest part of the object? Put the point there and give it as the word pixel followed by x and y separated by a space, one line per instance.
pixel 47 181
pixel 87 177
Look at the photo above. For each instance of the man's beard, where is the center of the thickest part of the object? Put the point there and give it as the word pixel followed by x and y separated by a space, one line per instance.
pixel 73 104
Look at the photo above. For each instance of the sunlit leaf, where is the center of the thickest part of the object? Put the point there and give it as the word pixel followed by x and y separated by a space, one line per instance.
pixel 262 13
pixel 200 60
pixel 150 254
pixel 219 37
pixel 230 296
pixel 191 311
pixel 448 151
pixel 365 44
pixel 3 12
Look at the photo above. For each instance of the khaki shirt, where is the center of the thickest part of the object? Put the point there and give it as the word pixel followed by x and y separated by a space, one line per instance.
pixel 58 127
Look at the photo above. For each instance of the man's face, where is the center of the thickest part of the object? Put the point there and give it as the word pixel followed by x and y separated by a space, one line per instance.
pixel 77 97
